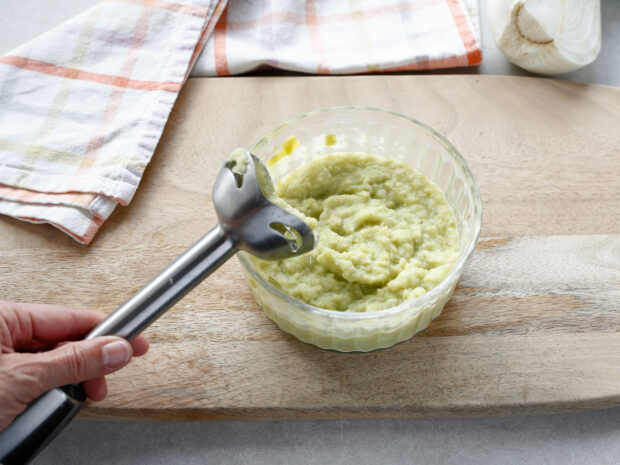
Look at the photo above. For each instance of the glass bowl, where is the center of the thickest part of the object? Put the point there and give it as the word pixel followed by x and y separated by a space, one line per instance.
pixel 390 135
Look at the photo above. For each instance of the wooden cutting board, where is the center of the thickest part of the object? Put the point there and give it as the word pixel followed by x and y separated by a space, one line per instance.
pixel 533 327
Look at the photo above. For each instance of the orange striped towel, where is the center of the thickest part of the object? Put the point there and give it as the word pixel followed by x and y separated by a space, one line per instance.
pixel 83 107
pixel 343 36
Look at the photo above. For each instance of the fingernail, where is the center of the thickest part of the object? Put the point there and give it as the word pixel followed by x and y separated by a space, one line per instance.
pixel 116 354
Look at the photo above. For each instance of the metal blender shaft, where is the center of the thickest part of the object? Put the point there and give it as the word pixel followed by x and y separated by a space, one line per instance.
pixel 180 277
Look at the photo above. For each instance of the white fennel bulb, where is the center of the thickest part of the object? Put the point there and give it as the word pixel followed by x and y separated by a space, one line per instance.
pixel 547 36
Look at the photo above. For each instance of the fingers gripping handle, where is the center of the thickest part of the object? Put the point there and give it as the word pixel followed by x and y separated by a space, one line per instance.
pixel 45 417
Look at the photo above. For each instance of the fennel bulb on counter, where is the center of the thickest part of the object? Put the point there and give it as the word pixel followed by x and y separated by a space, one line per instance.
pixel 547 36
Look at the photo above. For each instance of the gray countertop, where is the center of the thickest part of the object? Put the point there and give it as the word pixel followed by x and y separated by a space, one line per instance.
pixel 583 438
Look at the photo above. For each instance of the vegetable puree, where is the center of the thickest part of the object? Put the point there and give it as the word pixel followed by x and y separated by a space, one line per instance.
pixel 386 234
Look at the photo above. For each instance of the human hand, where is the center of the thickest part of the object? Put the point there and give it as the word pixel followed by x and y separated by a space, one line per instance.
pixel 26 372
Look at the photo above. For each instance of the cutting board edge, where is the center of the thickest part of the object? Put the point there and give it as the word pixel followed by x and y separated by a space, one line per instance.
pixel 550 80
pixel 271 413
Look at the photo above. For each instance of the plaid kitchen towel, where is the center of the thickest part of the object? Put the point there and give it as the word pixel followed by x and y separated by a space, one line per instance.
pixel 83 106
pixel 342 36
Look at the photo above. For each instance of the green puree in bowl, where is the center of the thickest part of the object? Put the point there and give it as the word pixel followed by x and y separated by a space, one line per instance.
pixel 386 234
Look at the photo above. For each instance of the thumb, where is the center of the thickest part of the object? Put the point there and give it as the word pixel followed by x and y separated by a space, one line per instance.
pixel 76 362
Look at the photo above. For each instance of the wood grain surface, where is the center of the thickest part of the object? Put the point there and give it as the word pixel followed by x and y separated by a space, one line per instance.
pixel 534 324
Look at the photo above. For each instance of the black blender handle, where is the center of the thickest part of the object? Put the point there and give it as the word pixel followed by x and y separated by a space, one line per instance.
pixel 36 426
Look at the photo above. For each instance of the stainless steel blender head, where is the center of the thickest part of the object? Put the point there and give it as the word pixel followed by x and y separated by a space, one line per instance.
pixel 243 197
pixel 249 220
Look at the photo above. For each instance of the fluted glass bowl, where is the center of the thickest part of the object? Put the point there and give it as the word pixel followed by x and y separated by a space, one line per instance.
pixel 388 135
